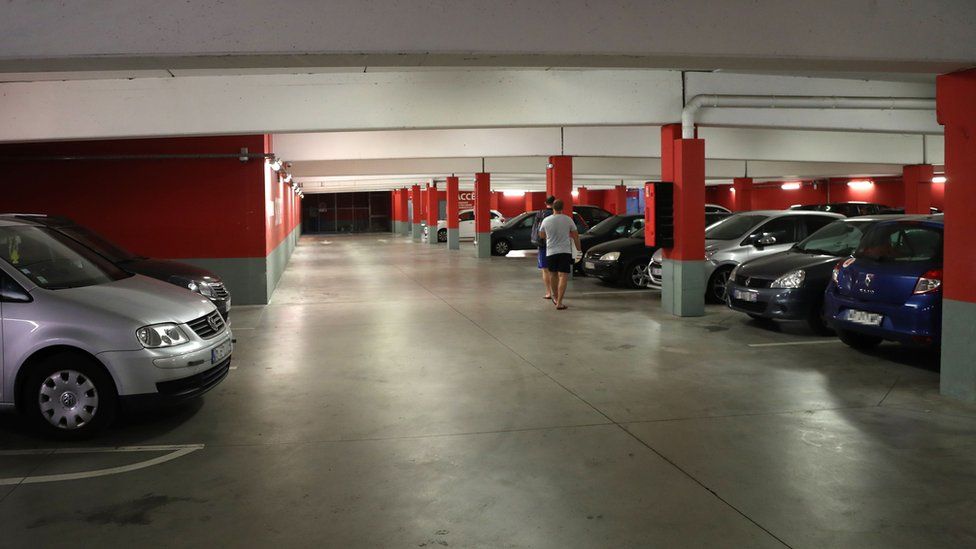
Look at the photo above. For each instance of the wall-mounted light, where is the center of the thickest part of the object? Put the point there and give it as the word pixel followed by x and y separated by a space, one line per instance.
pixel 575 194
pixel 939 179
pixel 274 164
pixel 794 186
pixel 549 166
pixel 288 178
pixel 860 184
pixel 732 190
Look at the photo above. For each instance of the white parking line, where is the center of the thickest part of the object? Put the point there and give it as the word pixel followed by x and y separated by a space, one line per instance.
pixel 794 343
pixel 175 451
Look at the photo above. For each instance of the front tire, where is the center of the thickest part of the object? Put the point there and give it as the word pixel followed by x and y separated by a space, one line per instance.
pixel 715 292
pixel 635 276
pixel 69 396
pixel 501 247
pixel 442 235
pixel 858 341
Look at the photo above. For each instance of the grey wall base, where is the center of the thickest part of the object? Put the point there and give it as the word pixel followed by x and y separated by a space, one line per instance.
pixel 482 245
pixel 683 287
pixel 958 376
pixel 251 280
pixel 432 236
pixel 418 231
pixel 453 239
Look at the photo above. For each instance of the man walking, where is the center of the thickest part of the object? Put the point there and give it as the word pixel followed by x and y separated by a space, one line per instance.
pixel 540 243
pixel 560 234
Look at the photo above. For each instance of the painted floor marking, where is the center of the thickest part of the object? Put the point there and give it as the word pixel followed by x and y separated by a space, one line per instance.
pixel 175 451
pixel 831 341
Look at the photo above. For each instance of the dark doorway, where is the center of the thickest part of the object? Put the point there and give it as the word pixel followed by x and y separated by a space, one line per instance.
pixel 363 212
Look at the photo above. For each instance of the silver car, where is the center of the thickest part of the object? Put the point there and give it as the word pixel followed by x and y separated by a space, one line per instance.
pixel 745 236
pixel 81 337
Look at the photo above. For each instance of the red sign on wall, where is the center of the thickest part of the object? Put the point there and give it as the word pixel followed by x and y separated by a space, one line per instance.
pixel 465 200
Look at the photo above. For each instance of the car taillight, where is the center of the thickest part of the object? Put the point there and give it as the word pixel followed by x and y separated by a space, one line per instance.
pixel 929 282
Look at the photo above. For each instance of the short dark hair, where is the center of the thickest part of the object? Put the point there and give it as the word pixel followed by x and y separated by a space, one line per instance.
pixel 550 200
pixel 557 206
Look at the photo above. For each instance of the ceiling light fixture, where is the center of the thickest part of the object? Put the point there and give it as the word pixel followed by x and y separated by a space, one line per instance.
pixel 939 179
pixel 791 186
pixel 513 192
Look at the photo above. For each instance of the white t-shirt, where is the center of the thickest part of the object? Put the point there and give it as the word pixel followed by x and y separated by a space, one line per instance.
pixel 558 228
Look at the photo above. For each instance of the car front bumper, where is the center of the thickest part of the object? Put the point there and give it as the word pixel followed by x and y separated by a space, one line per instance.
pixel 169 374
pixel 601 269
pixel 916 322
pixel 773 303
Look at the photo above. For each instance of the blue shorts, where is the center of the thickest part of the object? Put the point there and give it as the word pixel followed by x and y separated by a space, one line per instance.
pixel 543 263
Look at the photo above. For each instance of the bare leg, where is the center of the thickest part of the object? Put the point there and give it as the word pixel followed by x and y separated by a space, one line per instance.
pixel 546 283
pixel 561 290
pixel 553 284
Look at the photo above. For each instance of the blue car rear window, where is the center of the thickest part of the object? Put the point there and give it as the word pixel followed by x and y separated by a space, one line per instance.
pixel 902 242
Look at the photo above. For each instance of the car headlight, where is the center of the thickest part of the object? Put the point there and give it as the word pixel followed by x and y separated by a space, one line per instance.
pixel 792 279
pixel 203 288
pixel 161 335
pixel 610 256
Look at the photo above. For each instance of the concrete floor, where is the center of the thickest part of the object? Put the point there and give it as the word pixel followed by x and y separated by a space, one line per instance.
pixel 398 395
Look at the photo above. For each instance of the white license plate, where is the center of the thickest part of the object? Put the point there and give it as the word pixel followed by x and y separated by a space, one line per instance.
pixel 745 296
pixel 589 265
pixel 222 351
pixel 864 317
pixel 656 272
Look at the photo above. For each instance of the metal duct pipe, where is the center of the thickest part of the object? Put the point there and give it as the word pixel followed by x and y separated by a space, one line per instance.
pixel 705 101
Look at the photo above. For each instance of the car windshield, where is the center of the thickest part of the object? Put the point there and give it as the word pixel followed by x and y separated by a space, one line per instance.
pixel 606 225
pixel 54 261
pixel 734 227
pixel 901 242
pixel 98 243
pixel 840 238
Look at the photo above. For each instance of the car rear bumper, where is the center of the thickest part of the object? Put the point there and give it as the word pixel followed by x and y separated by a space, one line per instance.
pixel 778 303
pixel 918 321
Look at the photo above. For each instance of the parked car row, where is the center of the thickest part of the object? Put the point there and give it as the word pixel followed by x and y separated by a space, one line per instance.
pixel 84 334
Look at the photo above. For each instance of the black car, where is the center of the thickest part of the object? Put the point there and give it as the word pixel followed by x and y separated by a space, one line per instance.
pixel 516 233
pixel 790 285
pixel 850 209
pixel 623 261
pixel 187 276
pixel 611 228
pixel 592 215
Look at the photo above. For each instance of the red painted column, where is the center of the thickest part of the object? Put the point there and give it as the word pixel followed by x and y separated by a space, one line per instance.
pixel 743 193
pixel 402 200
pixel 582 195
pixel 917 182
pixel 482 214
pixel 417 217
pixel 956 111
pixel 562 181
pixel 620 199
pixel 453 235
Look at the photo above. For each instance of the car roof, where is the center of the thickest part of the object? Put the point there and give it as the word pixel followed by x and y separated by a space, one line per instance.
pixel 936 220
pixel 779 213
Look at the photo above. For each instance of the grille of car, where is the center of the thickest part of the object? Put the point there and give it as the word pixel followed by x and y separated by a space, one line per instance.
pixel 207 326
pixel 219 291
pixel 752 282
pixel 751 306
pixel 650 273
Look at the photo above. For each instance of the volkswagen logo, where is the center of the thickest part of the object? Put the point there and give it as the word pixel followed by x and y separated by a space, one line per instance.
pixel 867 280
pixel 748 281
pixel 214 323
pixel 68 400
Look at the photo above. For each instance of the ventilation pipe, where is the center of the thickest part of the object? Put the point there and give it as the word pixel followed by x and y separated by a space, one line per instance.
pixel 706 101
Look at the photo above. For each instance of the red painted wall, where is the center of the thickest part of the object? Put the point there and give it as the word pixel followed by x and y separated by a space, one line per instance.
pixel 209 208
pixel 509 204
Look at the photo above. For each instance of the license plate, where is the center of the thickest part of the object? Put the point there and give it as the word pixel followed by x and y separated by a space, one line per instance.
pixel 589 265
pixel 745 296
pixel 222 351
pixel 864 317
pixel 656 272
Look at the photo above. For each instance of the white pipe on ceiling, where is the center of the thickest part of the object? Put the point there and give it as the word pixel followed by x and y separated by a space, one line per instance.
pixel 795 102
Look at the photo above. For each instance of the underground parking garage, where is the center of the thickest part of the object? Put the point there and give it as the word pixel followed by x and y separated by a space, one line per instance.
pixel 559 275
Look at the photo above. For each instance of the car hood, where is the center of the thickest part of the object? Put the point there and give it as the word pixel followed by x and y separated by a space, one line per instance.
pixel 139 298
pixel 776 265
pixel 163 269
pixel 619 245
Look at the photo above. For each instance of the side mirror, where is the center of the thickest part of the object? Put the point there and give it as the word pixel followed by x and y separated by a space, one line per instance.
pixel 765 240
pixel 11 292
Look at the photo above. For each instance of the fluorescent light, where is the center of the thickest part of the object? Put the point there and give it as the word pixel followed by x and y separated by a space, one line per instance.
pixel 939 179
pixel 860 184
pixel 791 186
pixel 732 189
pixel 575 194
pixel 513 193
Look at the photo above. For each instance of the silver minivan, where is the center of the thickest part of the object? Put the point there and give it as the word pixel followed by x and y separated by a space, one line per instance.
pixel 82 337
pixel 745 236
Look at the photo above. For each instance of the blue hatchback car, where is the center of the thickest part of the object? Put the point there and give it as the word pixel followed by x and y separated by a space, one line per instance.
pixel 891 288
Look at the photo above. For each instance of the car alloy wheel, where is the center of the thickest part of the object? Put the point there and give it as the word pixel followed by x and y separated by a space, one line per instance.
pixel 639 275
pixel 68 399
pixel 717 284
pixel 501 247
pixel 442 235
